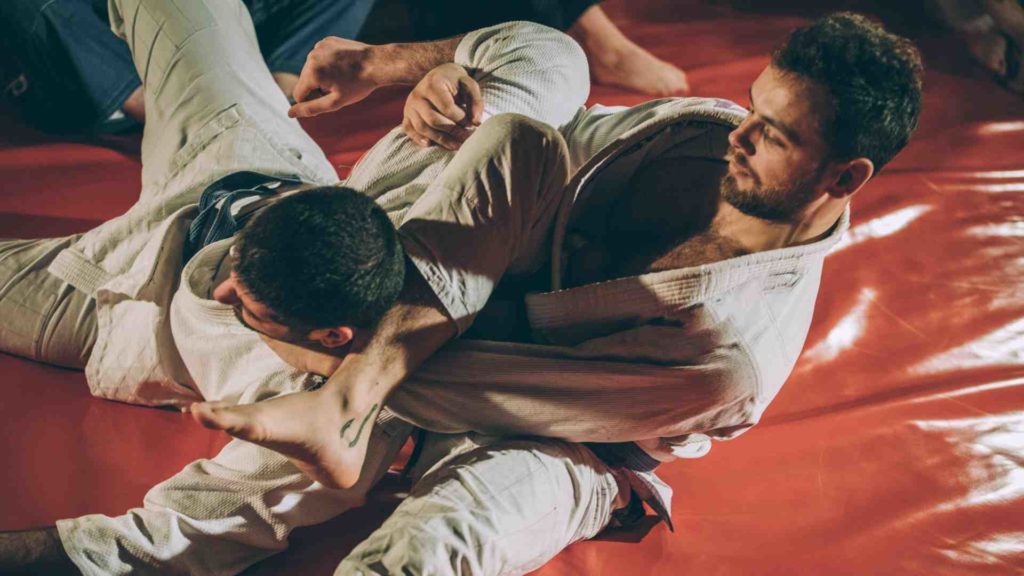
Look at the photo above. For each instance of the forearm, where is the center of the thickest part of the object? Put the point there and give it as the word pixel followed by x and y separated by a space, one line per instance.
pixel 34 552
pixel 407 63
pixel 415 328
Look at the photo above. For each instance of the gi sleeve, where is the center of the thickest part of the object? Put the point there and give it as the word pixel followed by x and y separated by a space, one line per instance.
pixel 577 395
pixel 529 69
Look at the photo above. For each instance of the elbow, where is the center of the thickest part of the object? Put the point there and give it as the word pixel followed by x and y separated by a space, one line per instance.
pixel 555 52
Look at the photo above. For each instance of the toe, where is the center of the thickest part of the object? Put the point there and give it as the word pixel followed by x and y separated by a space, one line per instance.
pixel 220 416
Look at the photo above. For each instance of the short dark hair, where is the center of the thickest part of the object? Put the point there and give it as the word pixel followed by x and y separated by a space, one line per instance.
pixel 322 257
pixel 873 78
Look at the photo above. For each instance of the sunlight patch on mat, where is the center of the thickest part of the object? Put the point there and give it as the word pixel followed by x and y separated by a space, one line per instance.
pixel 882 226
pixel 844 334
pixel 1003 346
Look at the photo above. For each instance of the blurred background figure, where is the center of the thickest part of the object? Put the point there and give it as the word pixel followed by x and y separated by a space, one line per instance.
pixel 993 31
pixel 63 70
pixel 615 60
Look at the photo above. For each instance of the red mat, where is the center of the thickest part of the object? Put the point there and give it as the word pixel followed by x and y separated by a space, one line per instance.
pixel 897 446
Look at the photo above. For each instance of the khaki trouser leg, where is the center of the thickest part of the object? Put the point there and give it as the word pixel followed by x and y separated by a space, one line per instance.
pixel 41 317
pixel 197 59
pixel 503 508
pixel 490 212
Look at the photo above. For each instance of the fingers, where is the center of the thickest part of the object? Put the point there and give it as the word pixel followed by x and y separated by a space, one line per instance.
pixel 433 116
pixel 320 105
pixel 429 126
pixel 443 101
pixel 473 100
pixel 306 85
pixel 212 415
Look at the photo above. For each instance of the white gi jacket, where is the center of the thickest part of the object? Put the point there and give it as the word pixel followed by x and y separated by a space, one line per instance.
pixel 671 359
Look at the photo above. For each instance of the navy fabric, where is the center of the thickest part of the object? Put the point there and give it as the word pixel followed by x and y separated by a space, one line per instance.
pixel 287 30
pixel 215 221
pixel 63 67
pixel 433 19
pixel 65 71
pixel 625 455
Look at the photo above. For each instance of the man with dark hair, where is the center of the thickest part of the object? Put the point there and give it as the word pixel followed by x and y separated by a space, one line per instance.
pixel 310 289
pixel 867 73
pixel 134 301
pixel 685 342
pixel 794 163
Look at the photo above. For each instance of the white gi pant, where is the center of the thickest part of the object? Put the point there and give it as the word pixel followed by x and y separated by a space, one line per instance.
pixel 486 506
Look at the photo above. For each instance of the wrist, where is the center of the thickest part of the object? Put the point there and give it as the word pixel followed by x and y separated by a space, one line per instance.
pixel 406 63
pixel 386 65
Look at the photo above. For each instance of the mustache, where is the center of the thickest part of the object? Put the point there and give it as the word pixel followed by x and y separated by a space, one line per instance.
pixel 738 157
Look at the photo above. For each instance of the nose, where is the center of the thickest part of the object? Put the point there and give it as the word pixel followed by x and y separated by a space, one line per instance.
pixel 740 137
pixel 226 292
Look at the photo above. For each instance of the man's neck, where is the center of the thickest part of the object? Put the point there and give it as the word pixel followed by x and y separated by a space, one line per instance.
pixel 757 235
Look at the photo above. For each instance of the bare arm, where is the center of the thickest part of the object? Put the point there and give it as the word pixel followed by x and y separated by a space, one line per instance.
pixel 339 72
pixel 34 552
pixel 415 328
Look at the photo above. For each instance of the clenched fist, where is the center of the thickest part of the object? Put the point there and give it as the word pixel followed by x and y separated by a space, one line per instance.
pixel 444 108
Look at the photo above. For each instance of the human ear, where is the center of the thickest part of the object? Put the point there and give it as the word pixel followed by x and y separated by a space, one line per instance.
pixel 851 177
pixel 332 337
pixel 226 292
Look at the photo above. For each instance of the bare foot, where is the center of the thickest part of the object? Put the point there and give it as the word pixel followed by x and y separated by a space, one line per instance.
pixel 989 49
pixel 312 429
pixel 633 68
pixel 617 61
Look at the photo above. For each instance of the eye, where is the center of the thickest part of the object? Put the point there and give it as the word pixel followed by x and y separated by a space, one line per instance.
pixel 770 137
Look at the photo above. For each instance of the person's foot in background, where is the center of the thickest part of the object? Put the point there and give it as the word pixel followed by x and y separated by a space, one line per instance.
pixel 1009 20
pixel 615 60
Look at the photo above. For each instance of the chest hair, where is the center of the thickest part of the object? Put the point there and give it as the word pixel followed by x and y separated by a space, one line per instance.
pixel 702 248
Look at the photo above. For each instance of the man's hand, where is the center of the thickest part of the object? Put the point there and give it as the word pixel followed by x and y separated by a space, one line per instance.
pixel 444 108
pixel 335 75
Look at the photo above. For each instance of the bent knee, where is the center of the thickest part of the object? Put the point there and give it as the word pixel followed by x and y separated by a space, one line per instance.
pixel 522 130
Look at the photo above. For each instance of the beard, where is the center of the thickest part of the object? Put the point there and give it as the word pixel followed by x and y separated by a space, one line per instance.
pixel 774 204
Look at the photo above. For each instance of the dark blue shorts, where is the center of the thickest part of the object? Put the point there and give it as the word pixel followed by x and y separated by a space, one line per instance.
pixel 64 70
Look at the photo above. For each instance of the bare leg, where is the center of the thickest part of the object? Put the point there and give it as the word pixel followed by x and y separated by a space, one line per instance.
pixel 135 105
pixel 989 49
pixel 1009 18
pixel 617 61
pixel 287 82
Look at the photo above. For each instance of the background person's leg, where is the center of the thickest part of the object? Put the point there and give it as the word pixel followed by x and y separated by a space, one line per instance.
pixel 76 72
pixel 434 19
pixel 288 29
pixel 42 317
pixel 505 508
pixel 203 75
